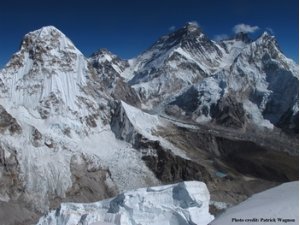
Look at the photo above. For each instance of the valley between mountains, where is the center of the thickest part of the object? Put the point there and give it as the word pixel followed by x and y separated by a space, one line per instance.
pixel 78 129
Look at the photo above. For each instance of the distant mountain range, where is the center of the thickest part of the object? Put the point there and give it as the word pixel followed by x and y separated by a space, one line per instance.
pixel 188 108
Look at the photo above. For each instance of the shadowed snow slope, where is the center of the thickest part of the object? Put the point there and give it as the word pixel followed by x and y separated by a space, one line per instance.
pixel 280 205
pixel 184 203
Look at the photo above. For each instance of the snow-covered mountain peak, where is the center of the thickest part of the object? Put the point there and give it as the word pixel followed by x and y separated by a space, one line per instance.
pixel 49 78
pixel 47 39
pixel 192 26
pixel 104 55
pixel 266 37
pixel 190 30
pixel 266 34
pixel 101 52
pixel 173 62
pixel 46 31
pixel 266 49
pixel 108 64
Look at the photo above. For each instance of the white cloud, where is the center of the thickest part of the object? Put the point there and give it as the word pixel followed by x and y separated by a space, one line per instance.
pixel 270 30
pixel 220 37
pixel 195 23
pixel 172 28
pixel 245 28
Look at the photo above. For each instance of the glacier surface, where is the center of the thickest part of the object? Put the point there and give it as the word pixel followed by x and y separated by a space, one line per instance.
pixel 184 203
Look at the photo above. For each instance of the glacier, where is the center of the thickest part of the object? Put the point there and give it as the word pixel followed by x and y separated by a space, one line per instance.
pixel 184 203
pixel 78 129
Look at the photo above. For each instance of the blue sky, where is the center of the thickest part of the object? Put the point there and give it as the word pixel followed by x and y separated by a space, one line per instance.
pixel 129 27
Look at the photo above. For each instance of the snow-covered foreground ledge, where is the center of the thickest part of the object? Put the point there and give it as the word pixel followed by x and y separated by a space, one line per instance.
pixel 178 204
pixel 278 206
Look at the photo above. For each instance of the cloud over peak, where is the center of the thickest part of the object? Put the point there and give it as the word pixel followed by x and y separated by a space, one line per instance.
pixel 172 28
pixel 220 37
pixel 245 28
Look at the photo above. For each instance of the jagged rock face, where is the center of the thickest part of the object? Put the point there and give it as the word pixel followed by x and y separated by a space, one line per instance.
pixel 260 79
pixel 90 181
pixel 108 69
pixel 184 203
pixel 11 182
pixel 7 122
pixel 171 168
pixel 167 166
pixel 63 138
pixel 172 63
pixel 229 113
pixel 242 37
pixel 289 122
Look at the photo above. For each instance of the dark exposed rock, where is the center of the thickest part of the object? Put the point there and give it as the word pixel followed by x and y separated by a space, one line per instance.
pixel 7 122
pixel 188 101
pixel 251 159
pixel 229 113
pixel 170 168
pixel 17 213
pixel 37 137
pixel 122 91
pixel 241 36
pixel 90 182
pixel 107 67
pixel 11 182
pixel 280 100
pixel 166 166
pixel 289 122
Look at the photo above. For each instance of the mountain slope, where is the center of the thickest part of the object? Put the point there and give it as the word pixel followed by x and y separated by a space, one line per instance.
pixel 48 78
pixel 76 129
pixel 56 141
pixel 109 68
pixel 173 62
pixel 261 83
pixel 278 205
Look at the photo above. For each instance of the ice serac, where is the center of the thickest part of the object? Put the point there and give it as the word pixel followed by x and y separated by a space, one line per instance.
pixel 178 204
pixel 278 205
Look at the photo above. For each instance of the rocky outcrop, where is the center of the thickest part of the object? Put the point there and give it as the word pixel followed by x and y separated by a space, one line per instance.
pixel 8 123
pixel 108 68
pixel 90 181
pixel 65 138
pixel 170 168
pixel 174 62
pixel 167 166
pixel 258 88
pixel 229 113
pixel 12 183
pixel 289 122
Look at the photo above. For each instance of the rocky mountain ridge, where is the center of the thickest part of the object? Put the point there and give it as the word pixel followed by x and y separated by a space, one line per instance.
pixel 76 128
